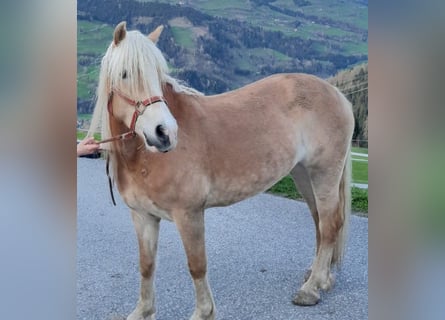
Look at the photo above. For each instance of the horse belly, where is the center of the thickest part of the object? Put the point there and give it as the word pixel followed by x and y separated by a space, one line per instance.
pixel 237 186
pixel 232 195
pixel 143 204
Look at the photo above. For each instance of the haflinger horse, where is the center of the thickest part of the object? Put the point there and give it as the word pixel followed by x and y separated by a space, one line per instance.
pixel 175 152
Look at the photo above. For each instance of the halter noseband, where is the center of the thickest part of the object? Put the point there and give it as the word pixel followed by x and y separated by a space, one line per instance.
pixel 139 109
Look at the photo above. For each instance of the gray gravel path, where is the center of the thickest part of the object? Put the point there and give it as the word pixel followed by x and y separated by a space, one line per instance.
pixel 258 252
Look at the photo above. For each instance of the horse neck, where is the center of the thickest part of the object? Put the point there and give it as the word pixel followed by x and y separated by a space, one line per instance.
pixel 185 108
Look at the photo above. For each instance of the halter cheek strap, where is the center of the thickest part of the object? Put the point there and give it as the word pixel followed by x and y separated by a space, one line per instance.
pixel 139 108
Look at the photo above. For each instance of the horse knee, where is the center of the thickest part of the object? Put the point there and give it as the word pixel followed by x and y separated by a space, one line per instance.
pixel 146 269
pixel 198 269
pixel 330 225
pixel 329 230
pixel 146 264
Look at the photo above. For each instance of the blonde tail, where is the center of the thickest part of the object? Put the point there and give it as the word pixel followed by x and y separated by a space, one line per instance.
pixel 344 209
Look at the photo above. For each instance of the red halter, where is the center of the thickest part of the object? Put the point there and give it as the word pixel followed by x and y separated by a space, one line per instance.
pixel 139 107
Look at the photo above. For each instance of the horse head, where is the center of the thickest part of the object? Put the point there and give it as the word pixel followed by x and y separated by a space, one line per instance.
pixel 134 67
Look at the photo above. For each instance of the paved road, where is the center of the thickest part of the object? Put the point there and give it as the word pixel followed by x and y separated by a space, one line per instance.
pixel 258 251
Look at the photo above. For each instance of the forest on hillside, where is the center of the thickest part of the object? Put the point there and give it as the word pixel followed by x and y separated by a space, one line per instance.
pixel 227 47
pixel 354 85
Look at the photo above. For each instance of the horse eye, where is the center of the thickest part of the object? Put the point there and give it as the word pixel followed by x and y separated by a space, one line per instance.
pixel 124 74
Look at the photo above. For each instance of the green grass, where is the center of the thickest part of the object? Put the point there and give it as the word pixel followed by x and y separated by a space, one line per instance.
pixel 360 168
pixel 220 6
pixel 360 171
pixel 84 116
pixel 359 200
pixel 93 38
pixel 350 47
pixel 82 134
pixel 183 36
pixel 359 150
pixel 361 156
pixel 278 55
pixel 251 59
pixel 286 188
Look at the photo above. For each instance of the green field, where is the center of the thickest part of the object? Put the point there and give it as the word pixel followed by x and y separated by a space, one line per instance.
pixel 93 39
pixel 183 36
pixel 82 134
pixel 286 188
pixel 360 165
pixel 359 172
pixel 359 150
pixel 342 13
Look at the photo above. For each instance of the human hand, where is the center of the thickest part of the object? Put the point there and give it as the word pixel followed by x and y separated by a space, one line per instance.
pixel 87 146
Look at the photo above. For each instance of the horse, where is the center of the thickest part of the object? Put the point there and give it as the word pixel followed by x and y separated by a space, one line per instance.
pixel 174 152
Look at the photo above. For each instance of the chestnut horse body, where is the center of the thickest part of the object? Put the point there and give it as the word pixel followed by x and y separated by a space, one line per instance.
pixel 221 149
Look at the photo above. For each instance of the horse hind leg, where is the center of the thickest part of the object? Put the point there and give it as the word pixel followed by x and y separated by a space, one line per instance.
pixel 191 228
pixel 331 197
pixel 147 231
pixel 304 186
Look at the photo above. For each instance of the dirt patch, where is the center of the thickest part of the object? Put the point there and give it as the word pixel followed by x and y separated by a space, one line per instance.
pixel 180 22
pixel 141 20
pixel 200 31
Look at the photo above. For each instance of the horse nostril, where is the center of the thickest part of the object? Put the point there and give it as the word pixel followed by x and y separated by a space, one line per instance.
pixel 159 130
pixel 161 133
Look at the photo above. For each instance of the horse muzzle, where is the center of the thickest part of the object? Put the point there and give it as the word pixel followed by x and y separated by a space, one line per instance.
pixel 162 141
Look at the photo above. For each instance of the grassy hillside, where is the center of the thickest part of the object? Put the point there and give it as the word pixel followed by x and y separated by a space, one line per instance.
pixel 216 46
pixel 93 38
pixel 343 23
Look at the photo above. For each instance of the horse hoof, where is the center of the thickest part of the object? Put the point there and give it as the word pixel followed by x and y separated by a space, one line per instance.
pixel 304 298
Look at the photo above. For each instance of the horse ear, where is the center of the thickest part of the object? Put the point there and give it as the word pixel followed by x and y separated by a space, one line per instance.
pixel 154 36
pixel 120 32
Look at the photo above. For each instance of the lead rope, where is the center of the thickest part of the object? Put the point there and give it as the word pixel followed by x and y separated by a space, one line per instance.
pixel 110 183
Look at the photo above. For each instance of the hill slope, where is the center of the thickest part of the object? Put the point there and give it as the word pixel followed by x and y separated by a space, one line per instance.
pixel 216 46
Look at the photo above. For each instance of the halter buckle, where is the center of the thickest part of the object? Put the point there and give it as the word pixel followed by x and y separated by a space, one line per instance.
pixel 140 108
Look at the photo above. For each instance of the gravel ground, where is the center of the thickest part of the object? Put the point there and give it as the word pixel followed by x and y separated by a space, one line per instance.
pixel 258 251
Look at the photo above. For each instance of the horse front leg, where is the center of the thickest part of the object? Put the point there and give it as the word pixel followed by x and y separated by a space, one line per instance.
pixel 191 229
pixel 147 231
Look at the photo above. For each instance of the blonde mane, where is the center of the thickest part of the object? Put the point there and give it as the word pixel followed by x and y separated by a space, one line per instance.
pixel 145 67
